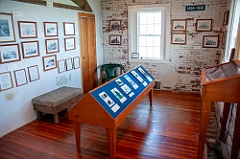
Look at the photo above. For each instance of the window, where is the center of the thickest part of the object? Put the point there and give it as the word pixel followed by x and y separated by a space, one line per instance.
pixel 149 32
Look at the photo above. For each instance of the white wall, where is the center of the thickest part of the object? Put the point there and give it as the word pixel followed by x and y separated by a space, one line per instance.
pixel 16 108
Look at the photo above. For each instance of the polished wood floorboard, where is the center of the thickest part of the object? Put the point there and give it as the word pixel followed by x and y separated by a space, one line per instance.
pixel 167 130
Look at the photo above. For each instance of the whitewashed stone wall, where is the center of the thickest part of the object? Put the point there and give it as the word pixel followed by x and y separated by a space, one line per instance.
pixel 183 71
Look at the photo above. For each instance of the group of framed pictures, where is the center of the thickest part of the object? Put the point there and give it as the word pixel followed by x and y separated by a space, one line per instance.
pixel 68 64
pixel 20 76
pixel 115 39
pixel 202 25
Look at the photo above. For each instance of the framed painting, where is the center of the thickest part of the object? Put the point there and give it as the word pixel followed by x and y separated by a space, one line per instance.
pixel 6 81
pixel 20 77
pixel 69 44
pixel 115 39
pixel 6 28
pixel 50 29
pixel 27 29
pixel 179 25
pixel 76 62
pixel 52 45
pixel 61 66
pixel 204 25
pixel 30 49
pixel 178 38
pixel 49 62
pixel 69 28
pixel 9 53
pixel 69 64
pixel 33 73
pixel 115 24
pixel 210 41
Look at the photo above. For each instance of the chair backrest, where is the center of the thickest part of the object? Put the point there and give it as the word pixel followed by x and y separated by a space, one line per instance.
pixel 110 70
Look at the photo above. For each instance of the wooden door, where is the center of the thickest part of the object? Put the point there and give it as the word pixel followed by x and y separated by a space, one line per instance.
pixel 87 35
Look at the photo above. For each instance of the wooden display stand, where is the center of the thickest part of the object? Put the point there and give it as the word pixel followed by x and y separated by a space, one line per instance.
pixel 220 83
pixel 90 109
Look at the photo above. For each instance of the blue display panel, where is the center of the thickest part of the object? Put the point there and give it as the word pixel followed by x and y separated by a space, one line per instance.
pixel 116 95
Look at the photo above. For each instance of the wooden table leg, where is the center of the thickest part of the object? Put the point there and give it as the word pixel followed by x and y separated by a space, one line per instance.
pixel 226 110
pixel 151 96
pixel 77 127
pixel 236 135
pixel 112 138
pixel 206 107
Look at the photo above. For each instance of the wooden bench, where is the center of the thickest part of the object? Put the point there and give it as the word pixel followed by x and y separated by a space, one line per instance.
pixel 57 100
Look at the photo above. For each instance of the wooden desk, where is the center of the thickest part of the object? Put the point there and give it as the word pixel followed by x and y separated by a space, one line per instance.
pixel 220 83
pixel 90 109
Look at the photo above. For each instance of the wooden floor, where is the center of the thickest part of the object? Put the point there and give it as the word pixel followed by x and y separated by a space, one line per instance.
pixel 167 130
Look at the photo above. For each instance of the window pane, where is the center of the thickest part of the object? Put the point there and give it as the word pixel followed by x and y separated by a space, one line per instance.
pixel 150 52
pixel 150 18
pixel 150 29
pixel 158 17
pixel 143 29
pixel 156 52
pixel 142 41
pixel 157 29
pixel 142 18
pixel 149 41
pixel 157 41
pixel 142 52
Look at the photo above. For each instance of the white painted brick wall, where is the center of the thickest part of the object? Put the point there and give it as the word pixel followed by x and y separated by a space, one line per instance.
pixel 183 72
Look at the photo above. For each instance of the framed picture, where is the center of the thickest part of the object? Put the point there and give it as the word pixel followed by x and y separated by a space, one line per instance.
pixel 76 62
pixel 179 25
pixel 115 39
pixel 210 41
pixel 69 28
pixel 69 64
pixel 204 25
pixel 6 81
pixel 7 28
pixel 20 77
pixel 52 45
pixel 27 29
pixel 30 49
pixel 9 53
pixel 69 44
pixel 178 38
pixel 115 24
pixel 49 62
pixel 61 66
pixel 33 73
pixel 226 17
pixel 50 29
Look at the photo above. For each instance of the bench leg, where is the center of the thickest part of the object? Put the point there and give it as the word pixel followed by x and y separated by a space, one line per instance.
pixel 55 118
pixel 39 115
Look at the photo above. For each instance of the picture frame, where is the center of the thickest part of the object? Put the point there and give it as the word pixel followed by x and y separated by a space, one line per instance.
pixel 115 24
pixel 9 53
pixel 204 25
pixel 115 39
pixel 69 28
pixel 50 29
pixel 179 24
pixel 210 41
pixel 7 28
pixel 49 62
pixel 69 43
pixel 61 66
pixel 33 73
pixel 6 81
pixel 226 17
pixel 52 45
pixel 20 77
pixel 76 62
pixel 30 49
pixel 27 29
pixel 179 38
pixel 69 64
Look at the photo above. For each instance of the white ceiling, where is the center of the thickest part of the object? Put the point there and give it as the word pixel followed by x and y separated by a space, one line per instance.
pixel 66 2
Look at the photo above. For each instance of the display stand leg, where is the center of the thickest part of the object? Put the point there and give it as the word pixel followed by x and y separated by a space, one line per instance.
pixel 77 127
pixel 226 110
pixel 236 135
pixel 151 96
pixel 112 138
pixel 206 107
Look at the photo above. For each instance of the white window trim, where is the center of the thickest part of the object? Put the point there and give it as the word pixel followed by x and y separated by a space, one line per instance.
pixel 132 32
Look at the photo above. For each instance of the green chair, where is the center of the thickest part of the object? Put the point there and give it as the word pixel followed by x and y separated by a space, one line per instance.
pixel 110 71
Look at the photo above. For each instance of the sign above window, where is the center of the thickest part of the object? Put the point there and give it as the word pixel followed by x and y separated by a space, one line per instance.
pixel 195 8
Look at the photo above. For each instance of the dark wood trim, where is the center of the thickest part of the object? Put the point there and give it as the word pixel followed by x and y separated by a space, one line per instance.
pixel 83 4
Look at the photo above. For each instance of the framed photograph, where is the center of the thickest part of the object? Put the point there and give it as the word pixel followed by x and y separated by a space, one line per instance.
pixel 33 73
pixel 61 66
pixel 52 45
pixel 6 28
pixel 9 53
pixel 50 29
pixel 69 64
pixel 6 81
pixel 210 41
pixel 115 24
pixel 204 25
pixel 49 62
pixel 30 49
pixel 226 17
pixel 179 25
pixel 20 77
pixel 69 44
pixel 76 62
pixel 115 39
pixel 27 29
pixel 178 38
pixel 69 28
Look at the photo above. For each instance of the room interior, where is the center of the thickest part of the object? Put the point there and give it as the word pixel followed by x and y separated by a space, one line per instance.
pixel 74 38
